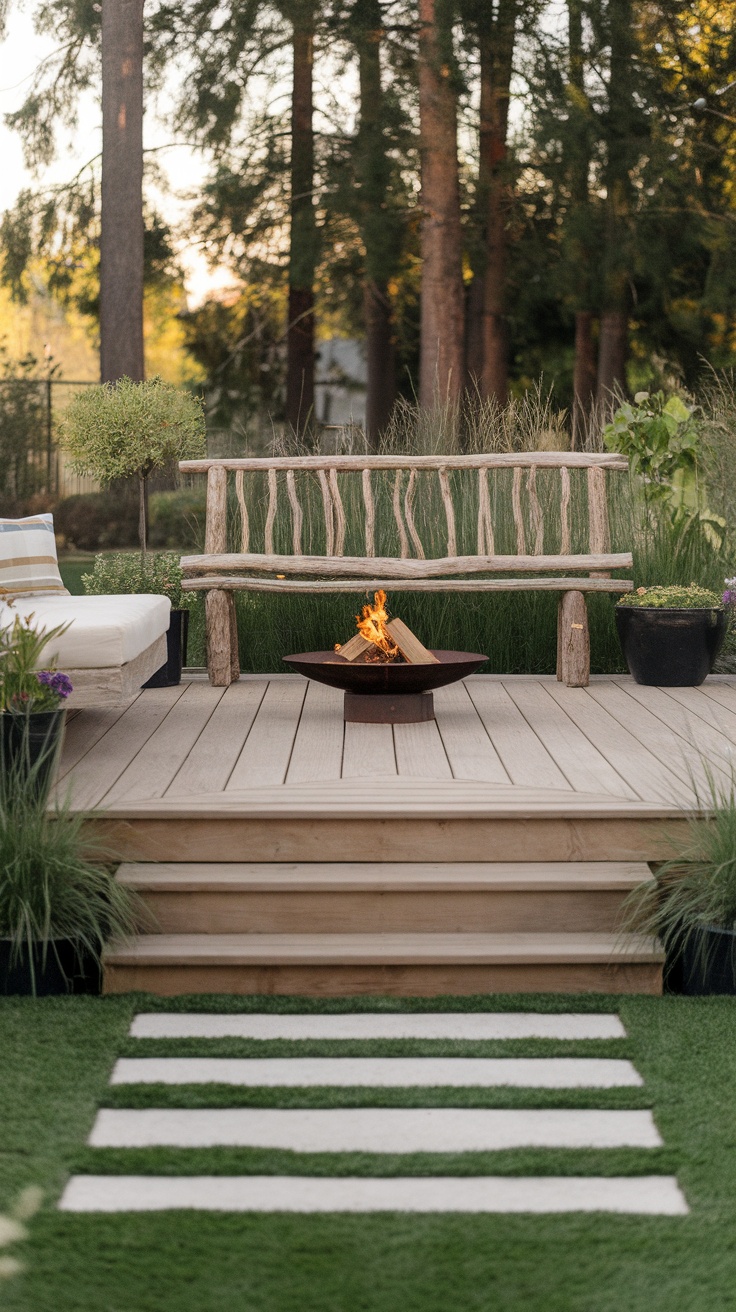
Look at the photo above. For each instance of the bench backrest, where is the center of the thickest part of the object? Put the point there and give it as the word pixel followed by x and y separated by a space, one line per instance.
pixel 338 477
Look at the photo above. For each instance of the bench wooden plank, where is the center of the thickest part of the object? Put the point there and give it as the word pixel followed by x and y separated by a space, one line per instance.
pixel 238 583
pixel 492 460
pixel 401 568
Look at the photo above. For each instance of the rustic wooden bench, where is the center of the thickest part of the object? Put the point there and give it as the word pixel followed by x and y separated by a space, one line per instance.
pixel 414 491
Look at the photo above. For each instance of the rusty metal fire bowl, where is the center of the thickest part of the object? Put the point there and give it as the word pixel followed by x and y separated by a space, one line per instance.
pixel 390 692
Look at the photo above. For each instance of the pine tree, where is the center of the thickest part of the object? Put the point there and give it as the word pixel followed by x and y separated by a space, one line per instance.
pixel 121 237
pixel 442 363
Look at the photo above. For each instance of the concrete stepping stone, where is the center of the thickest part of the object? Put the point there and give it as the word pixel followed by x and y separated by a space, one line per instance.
pixel 381 1072
pixel 374 1129
pixel 652 1195
pixel 378 1025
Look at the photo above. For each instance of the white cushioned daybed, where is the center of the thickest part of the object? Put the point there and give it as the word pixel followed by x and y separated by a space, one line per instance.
pixel 113 644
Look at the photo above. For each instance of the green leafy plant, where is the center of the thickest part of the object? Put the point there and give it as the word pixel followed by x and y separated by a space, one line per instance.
pixel 661 438
pixel 696 888
pixel 674 598
pixel 24 688
pixel 128 572
pixel 116 430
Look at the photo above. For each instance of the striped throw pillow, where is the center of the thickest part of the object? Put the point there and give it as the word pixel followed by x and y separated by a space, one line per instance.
pixel 28 563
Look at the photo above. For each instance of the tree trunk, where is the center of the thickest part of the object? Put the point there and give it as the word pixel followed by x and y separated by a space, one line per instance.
pixel 584 375
pixel 303 238
pixel 121 238
pixel 373 174
pixel 612 352
pixel 441 366
pixel 497 38
pixel 585 363
pixel 621 147
pixel 381 360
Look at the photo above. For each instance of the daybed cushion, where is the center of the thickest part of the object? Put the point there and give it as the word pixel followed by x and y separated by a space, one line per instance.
pixel 28 562
pixel 104 631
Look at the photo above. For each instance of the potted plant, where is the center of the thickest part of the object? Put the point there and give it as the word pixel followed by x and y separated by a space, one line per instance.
pixel 671 635
pixel 690 904
pixel 125 429
pixel 58 905
pixel 159 573
pixel 31 704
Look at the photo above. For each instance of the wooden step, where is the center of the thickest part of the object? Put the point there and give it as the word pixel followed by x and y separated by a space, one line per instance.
pixel 372 897
pixel 405 965
pixel 395 819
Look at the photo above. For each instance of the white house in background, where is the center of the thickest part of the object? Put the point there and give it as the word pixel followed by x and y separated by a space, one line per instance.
pixel 340 381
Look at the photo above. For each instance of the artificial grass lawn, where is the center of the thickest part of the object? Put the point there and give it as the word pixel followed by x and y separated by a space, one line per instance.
pixel 56 1060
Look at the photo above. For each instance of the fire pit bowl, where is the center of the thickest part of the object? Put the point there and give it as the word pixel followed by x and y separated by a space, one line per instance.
pixel 389 692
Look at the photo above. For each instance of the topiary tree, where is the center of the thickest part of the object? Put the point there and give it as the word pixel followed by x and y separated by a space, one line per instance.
pixel 116 430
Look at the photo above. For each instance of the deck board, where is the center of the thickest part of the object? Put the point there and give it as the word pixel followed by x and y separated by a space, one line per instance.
pixel 209 764
pixel 267 750
pixel 527 738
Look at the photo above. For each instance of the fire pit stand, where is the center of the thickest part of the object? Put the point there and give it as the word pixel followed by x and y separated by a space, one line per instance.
pixel 383 708
pixel 389 692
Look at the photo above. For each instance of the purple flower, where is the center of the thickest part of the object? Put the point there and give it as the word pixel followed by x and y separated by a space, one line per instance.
pixel 60 684
pixel 729 598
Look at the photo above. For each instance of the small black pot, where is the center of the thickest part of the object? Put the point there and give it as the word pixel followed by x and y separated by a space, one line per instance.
pixel 30 745
pixel 705 963
pixel 67 969
pixel 176 647
pixel 668 647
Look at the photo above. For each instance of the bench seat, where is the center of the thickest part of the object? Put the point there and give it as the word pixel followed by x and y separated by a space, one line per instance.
pixel 112 646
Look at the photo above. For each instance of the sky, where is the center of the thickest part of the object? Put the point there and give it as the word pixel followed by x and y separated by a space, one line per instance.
pixel 20 54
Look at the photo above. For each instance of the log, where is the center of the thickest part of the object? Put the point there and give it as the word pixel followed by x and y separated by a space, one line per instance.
pixel 219 649
pixel 356 647
pixel 573 641
pixel 496 460
pixel 413 651
pixel 311 587
pixel 400 569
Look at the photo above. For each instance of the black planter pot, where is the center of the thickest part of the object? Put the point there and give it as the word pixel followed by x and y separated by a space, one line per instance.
pixel 30 745
pixel 670 648
pixel 705 963
pixel 66 969
pixel 176 646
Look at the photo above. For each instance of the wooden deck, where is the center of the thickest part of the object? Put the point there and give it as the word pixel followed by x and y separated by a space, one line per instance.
pixel 277 738
pixel 282 850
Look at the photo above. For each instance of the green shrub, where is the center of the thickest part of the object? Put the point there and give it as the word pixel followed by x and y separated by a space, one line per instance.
pixel 177 519
pixel 130 572
pixel 674 598
pixel 96 521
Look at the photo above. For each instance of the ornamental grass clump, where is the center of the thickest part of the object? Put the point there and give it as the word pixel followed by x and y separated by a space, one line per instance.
pixel 691 597
pixel 53 884
pixel 117 430
pixel 696 889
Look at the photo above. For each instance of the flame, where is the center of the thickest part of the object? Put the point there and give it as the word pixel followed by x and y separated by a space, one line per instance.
pixel 372 626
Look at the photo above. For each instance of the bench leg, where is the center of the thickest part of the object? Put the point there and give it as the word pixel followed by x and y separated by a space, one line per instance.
pixel 234 653
pixel 573 641
pixel 217 618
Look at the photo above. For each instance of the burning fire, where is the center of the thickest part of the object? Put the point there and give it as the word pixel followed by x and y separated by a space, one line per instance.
pixel 372 626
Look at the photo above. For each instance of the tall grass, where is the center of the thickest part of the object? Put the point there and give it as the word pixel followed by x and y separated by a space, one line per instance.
pixel 517 631
pixel 52 885
pixel 697 887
